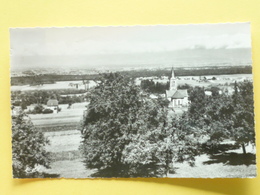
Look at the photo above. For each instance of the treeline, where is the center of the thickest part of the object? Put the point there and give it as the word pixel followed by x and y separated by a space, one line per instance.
pixel 49 78
pixel 154 87
pixel 189 72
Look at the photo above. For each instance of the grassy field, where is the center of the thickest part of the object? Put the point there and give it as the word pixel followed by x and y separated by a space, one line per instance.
pixel 69 169
pixel 222 80
pixel 61 129
pixel 220 165
pixel 63 141
pixel 67 160
pixel 67 115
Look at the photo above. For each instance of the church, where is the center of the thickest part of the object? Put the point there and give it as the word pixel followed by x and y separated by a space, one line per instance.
pixel 177 97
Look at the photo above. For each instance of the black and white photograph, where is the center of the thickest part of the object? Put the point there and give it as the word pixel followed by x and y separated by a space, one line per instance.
pixel 171 101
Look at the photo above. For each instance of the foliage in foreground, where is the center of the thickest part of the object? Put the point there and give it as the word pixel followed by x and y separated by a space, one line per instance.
pixel 28 148
pixel 127 135
pixel 223 116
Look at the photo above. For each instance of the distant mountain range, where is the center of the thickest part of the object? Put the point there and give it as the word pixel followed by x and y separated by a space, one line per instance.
pixel 129 61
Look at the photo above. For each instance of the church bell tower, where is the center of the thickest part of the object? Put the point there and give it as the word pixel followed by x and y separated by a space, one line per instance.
pixel 173 82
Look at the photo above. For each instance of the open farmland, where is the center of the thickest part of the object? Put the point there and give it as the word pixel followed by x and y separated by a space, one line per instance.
pixel 220 80
pixel 54 86
pixel 67 115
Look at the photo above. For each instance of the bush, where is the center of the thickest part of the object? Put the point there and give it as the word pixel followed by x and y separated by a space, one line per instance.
pixel 38 109
pixel 47 111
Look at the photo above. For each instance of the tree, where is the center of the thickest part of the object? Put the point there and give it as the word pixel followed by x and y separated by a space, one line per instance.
pixel 125 134
pixel 28 146
pixel 198 101
pixel 184 86
pixel 215 90
pixel 235 114
pixel 151 87
pixel 244 124
pixel 23 105
pixel 224 116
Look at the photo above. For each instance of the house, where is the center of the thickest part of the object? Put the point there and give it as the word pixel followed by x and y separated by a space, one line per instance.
pixel 208 93
pixel 152 96
pixel 177 97
pixel 53 104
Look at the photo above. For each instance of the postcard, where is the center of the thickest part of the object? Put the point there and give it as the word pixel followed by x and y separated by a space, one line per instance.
pixel 170 101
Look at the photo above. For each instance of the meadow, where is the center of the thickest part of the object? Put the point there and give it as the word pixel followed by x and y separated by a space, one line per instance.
pixel 67 116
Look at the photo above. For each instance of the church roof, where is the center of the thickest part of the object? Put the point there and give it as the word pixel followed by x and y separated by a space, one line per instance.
pixel 178 94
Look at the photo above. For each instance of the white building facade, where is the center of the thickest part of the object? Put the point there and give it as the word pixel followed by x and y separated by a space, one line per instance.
pixel 177 97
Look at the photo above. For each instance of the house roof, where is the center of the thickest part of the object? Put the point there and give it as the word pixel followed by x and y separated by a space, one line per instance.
pixel 178 94
pixel 52 102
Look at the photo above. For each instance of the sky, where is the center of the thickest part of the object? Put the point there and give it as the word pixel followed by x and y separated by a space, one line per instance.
pixel 129 46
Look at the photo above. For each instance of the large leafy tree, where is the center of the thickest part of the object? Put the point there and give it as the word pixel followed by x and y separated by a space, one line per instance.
pixel 225 116
pixel 233 116
pixel 125 133
pixel 198 101
pixel 243 102
pixel 28 146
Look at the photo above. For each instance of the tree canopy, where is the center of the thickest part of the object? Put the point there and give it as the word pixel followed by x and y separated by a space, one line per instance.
pixel 28 146
pixel 126 134
pixel 225 116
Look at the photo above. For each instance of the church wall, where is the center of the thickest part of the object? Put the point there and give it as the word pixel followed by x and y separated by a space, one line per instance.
pixel 180 102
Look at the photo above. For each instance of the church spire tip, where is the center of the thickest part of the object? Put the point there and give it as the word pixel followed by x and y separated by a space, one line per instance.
pixel 172 76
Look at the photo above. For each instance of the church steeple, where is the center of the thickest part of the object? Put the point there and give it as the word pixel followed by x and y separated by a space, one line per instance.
pixel 173 76
pixel 173 82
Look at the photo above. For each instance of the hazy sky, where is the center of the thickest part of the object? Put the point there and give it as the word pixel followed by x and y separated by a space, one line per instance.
pixel 91 46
